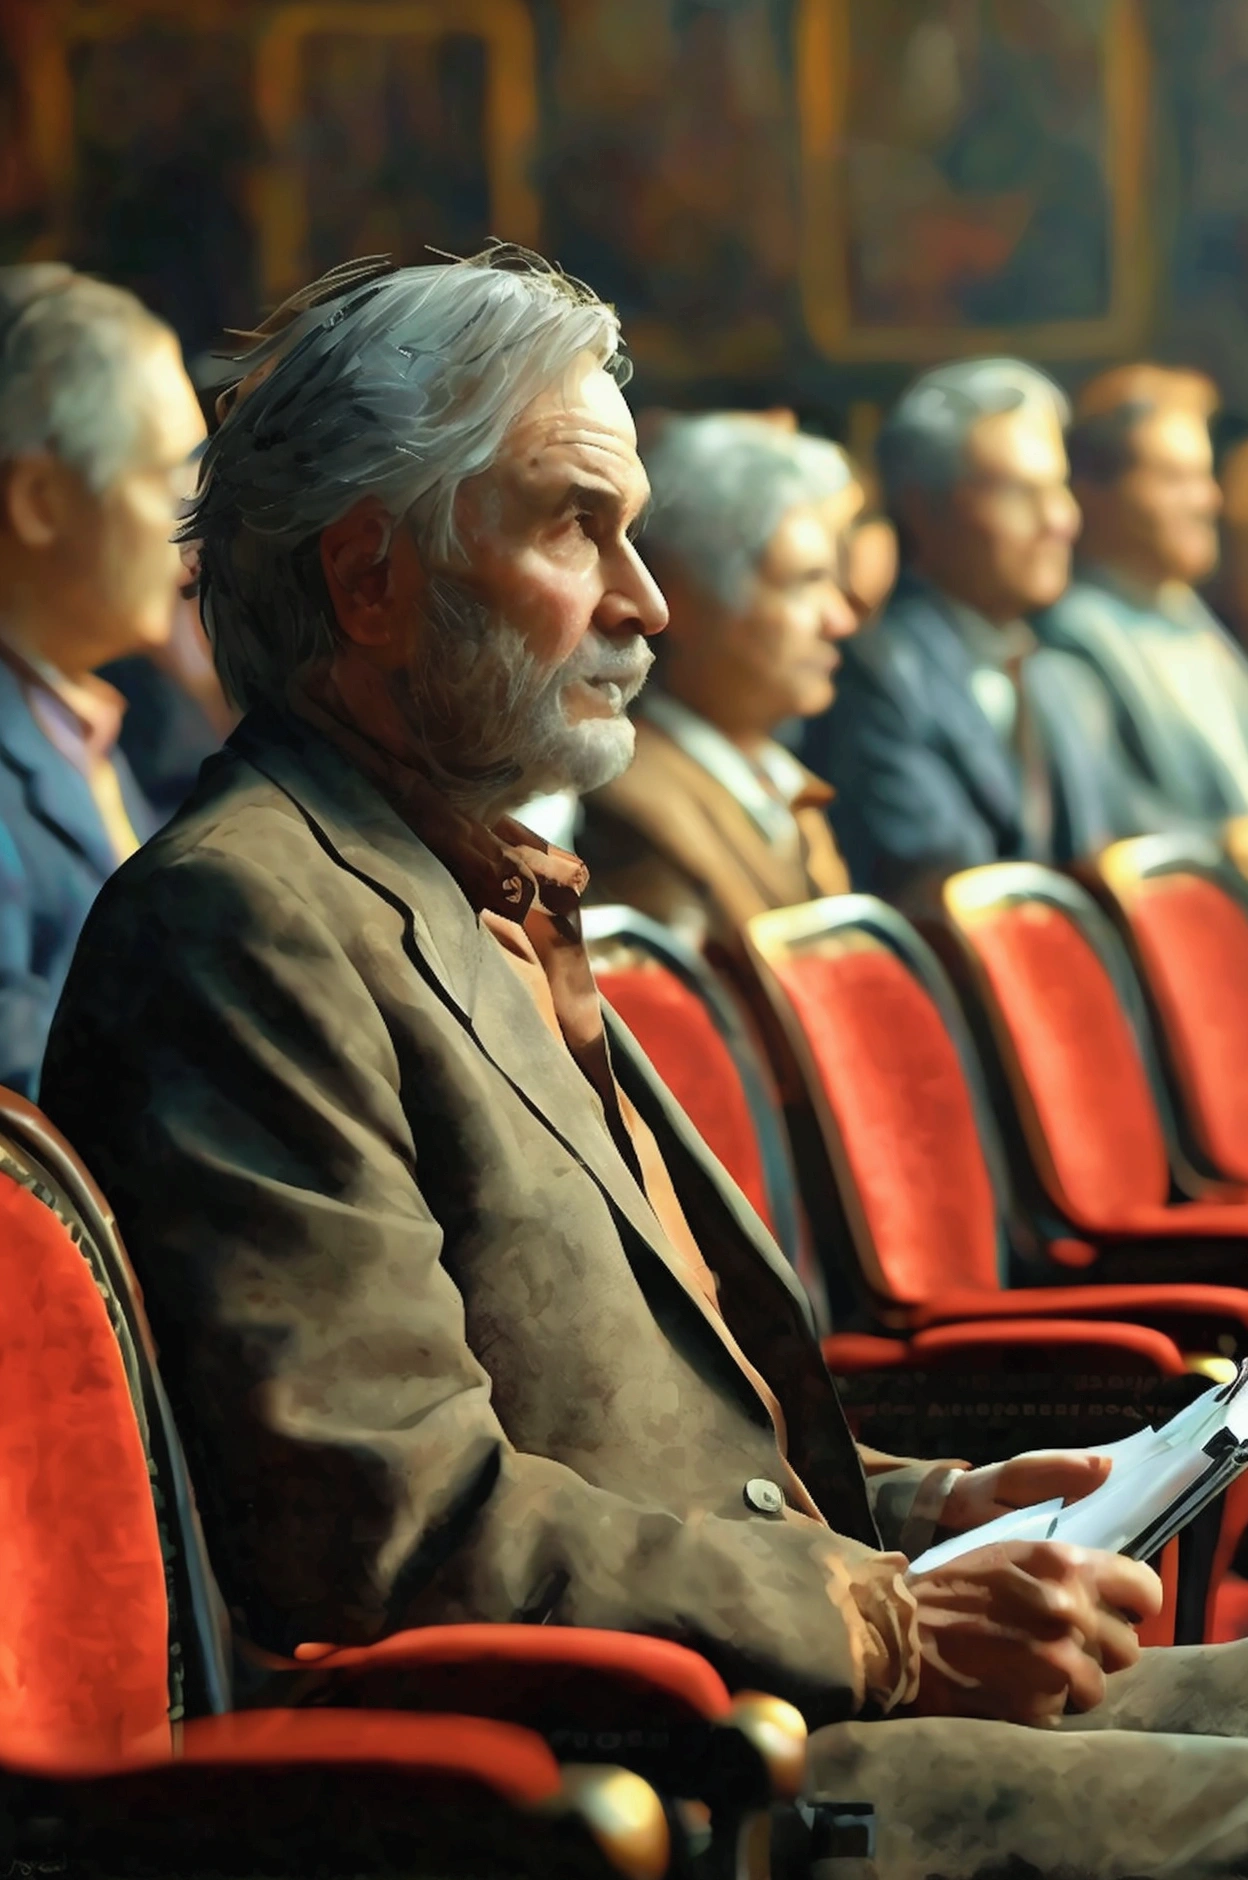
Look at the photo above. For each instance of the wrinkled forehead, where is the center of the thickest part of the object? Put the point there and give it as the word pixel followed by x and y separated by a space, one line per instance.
pixel 582 415
pixel 1174 435
pixel 1026 442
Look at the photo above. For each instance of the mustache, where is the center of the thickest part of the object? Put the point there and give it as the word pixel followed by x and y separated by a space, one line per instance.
pixel 598 661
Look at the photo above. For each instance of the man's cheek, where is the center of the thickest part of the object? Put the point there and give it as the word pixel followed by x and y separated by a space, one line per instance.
pixel 555 611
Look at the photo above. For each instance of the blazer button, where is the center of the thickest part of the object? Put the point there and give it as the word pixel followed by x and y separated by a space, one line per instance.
pixel 763 1497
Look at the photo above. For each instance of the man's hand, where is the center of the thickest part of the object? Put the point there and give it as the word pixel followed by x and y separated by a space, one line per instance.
pixel 981 1495
pixel 1022 1630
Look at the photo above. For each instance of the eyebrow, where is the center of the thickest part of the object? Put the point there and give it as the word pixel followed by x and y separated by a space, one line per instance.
pixel 601 500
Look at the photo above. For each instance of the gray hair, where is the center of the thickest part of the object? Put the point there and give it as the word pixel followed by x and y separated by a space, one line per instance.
pixel 67 346
pixel 721 484
pixel 922 444
pixel 398 383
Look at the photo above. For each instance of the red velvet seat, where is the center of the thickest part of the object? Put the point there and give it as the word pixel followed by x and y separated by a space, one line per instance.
pixel 698 1040
pixel 1070 1036
pixel 675 1029
pixel 894 1084
pixel 1183 913
pixel 112 1654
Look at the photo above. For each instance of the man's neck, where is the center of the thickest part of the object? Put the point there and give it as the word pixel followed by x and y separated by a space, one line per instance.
pixel 995 611
pixel 35 637
pixel 737 726
pixel 1145 584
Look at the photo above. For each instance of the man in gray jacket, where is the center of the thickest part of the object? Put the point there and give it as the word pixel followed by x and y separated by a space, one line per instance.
pixel 1177 681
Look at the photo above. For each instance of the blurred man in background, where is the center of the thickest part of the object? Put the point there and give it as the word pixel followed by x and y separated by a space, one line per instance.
pixel 1142 471
pixel 955 740
pixel 715 821
pixel 97 421
pixel 176 713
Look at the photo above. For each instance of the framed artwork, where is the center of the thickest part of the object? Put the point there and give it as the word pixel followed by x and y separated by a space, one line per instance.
pixel 214 156
pixel 974 177
pixel 139 124
pixel 391 128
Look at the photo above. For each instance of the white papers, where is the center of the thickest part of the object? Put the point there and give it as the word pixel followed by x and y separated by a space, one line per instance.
pixel 1159 1480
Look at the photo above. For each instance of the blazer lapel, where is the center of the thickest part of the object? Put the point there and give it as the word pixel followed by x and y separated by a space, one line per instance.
pixel 967 741
pixel 57 793
pixel 364 835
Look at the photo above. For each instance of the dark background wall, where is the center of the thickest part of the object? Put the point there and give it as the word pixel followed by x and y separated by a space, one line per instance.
pixel 791 201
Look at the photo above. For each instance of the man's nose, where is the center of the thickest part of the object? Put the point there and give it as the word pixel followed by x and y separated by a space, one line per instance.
pixel 840 617
pixel 634 602
pixel 1062 515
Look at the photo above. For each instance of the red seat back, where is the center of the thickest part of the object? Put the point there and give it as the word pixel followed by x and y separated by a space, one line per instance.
pixel 679 1035
pixel 1079 1078
pixel 83 1600
pixel 1191 938
pixel 903 1132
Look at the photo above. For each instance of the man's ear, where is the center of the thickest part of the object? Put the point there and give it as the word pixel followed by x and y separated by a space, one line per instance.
pixel 36 499
pixel 374 577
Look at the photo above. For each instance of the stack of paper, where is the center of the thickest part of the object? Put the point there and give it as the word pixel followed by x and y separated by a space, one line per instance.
pixel 1159 1481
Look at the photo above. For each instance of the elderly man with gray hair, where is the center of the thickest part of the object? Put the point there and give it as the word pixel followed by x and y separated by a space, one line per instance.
pixel 97 421
pixel 955 739
pixel 715 821
pixel 459 1318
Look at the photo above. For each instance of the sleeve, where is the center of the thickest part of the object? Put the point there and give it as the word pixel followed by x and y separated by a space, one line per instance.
pixel 247 1117
pixel 900 814
pixel 907 1497
pixel 26 999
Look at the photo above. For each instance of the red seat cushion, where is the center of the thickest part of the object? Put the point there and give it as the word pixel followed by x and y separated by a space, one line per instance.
pixel 1193 944
pixel 1177 1309
pixel 679 1036
pixel 904 1119
pixel 1103 1151
pixel 83 1607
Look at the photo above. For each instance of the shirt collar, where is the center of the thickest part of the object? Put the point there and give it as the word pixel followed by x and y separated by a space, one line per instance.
pixel 90 710
pixel 988 645
pixel 506 869
pixel 792 786
pixel 1174 601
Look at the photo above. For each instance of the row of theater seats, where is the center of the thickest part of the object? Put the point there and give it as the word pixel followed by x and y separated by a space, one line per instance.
pixel 1108 1037
pixel 1031 1118
pixel 125 1742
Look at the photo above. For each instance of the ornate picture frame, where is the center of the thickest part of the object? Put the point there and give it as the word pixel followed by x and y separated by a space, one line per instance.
pixel 968 207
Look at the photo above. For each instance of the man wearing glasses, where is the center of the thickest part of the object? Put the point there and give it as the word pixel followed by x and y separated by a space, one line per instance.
pixel 97 423
pixel 956 739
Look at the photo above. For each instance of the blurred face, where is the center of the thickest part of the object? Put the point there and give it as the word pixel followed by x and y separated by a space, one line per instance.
pixel 1001 542
pixel 128 569
pixel 1161 517
pixel 781 650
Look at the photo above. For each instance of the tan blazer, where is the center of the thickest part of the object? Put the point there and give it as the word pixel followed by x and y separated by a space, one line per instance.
pixel 672 841
pixel 434 1357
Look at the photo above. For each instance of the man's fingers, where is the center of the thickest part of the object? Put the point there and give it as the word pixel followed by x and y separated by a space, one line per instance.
pixel 989 1586
pixel 1117 1642
pixel 1085 1680
pixel 1128 1586
pixel 1045 1474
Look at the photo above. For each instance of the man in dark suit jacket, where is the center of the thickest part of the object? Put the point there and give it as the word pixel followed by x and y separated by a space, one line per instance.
pixel 97 419
pixel 955 739
pixel 461 1319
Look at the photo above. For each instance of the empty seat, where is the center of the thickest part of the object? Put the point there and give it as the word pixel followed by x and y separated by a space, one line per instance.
pixel 896 1089
pixel 1063 1015
pixel 690 1029
pixel 1184 915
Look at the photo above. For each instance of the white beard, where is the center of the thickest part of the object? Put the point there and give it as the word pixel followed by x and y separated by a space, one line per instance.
pixel 492 724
